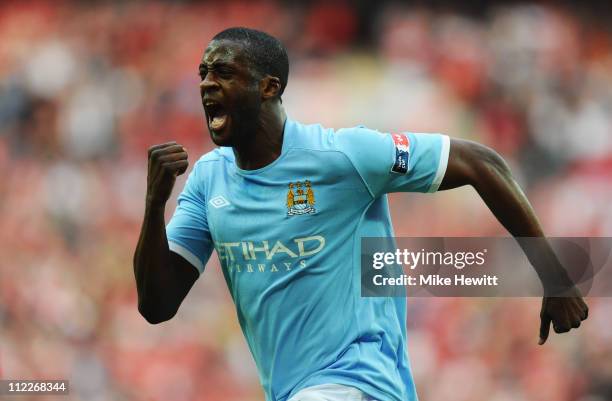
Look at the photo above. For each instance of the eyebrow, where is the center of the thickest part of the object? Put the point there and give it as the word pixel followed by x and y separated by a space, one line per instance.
pixel 215 64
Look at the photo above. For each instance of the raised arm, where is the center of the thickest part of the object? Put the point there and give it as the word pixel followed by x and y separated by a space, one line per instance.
pixel 163 278
pixel 473 164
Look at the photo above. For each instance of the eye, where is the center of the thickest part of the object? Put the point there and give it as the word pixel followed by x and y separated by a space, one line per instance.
pixel 202 73
pixel 224 72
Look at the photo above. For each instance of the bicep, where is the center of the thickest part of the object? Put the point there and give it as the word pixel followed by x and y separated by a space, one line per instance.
pixel 469 162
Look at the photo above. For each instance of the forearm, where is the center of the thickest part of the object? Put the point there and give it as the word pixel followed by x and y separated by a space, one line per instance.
pixel 506 200
pixel 473 164
pixel 151 260
pixel 163 278
pixel 501 193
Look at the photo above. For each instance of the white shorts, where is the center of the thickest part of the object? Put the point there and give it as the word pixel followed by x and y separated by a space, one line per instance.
pixel 331 392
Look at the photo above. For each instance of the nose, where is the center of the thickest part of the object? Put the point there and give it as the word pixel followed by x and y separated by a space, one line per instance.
pixel 208 84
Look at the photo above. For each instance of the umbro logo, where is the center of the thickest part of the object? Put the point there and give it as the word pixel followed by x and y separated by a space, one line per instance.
pixel 219 202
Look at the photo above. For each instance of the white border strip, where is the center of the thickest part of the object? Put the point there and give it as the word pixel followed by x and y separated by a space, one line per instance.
pixel 187 254
pixel 329 392
pixel 444 152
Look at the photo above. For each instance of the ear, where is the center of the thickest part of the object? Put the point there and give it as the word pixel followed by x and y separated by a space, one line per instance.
pixel 269 87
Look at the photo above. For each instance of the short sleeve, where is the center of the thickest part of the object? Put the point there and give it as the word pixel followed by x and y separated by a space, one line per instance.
pixel 187 232
pixel 396 162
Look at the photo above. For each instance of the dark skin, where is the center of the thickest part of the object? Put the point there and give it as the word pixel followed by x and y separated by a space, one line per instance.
pixel 163 278
pixel 242 108
pixel 227 79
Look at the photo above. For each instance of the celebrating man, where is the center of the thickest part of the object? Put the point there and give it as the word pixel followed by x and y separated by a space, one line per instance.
pixel 285 206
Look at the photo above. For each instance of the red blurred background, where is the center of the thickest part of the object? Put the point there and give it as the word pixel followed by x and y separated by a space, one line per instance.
pixel 86 88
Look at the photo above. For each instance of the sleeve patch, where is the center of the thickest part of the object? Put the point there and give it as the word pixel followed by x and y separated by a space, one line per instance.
pixel 402 153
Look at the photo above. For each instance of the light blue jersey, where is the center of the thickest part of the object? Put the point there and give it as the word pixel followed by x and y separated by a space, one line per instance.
pixel 288 238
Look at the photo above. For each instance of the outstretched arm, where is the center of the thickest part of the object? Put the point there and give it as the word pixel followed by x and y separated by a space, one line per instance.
pixel 473 164
pixel 163 278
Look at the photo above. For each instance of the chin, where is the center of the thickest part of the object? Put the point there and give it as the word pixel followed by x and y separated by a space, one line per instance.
pixel 222 138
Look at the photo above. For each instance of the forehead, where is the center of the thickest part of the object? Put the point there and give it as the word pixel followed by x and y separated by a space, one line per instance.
pixel 226 51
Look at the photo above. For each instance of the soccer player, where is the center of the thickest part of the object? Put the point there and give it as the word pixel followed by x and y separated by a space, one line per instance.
pixel 284 205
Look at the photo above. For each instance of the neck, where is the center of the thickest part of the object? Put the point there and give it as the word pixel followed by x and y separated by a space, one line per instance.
pixel 265 144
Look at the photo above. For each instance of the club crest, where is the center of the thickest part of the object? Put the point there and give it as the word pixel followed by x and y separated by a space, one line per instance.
pixel 300 198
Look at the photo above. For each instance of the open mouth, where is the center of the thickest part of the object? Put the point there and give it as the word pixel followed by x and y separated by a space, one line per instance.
pixel 217 115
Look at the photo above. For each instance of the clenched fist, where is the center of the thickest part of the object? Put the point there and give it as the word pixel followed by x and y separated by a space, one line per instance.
pixel 166 162
pixel 564 313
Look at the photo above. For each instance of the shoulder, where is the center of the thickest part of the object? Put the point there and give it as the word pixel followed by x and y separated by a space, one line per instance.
pixel 361 142
pixel 358 134
pixel 221 154
pixel 319 137
pixel 308 136
pixel 205 167
pixel 214 159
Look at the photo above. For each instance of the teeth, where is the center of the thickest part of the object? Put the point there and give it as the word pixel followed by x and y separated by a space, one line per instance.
pixel 218 122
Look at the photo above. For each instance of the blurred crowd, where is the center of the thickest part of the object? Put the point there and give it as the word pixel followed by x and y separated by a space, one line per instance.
pixel 86 88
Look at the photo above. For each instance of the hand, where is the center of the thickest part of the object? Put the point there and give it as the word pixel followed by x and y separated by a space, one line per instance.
pixel 166 162
pixel 564 314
